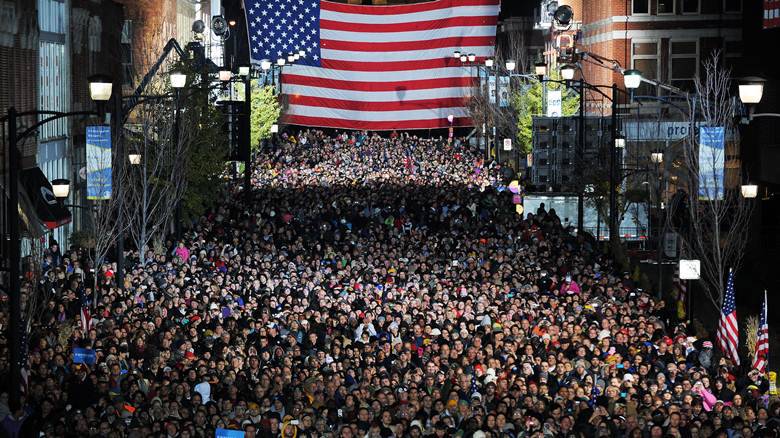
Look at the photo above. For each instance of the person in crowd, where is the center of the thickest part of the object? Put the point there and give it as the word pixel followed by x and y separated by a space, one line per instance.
pixel 373 287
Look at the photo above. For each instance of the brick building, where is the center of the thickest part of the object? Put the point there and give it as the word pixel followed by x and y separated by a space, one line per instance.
pixel 665 39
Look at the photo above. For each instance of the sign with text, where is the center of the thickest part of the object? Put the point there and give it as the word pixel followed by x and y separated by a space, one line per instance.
pixel 84 355
pixel 507 144
pixel 690 269
pixel 98 162
pixel 554 103
pixel 503 90
pixel 711 162
pixel 228 433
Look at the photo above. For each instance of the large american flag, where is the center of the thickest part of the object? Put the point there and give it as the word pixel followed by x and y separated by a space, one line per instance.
pixel 728 330
pixel 762 341
pixel 374 67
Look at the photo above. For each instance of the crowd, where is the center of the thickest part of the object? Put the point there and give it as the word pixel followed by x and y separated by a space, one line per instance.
pixel 374 287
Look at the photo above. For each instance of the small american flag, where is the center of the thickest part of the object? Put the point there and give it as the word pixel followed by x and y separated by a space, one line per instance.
pixel 762 341
pixel 84 315
pixel 728 330
pixel 23 362
pixel 374 67
pixel 595 392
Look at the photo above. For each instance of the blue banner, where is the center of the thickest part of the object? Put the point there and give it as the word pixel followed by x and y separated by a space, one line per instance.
pixel 99 162
pixel 711 162
pixel 84 355
pixel 227 433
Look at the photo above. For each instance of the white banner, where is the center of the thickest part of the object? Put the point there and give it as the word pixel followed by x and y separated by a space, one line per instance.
pixel 554 103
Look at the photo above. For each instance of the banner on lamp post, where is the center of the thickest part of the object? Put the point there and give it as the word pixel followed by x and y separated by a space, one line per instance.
pixel 99 162
pixel 554 103
pixel 711 162
pixel 503 90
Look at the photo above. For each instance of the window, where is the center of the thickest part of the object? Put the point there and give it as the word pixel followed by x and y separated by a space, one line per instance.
pixel 641 7
pixel 690 6
pixel 51 16
pixel 732 54
pixel 127 52
pixel 732 6
pixel 645 59
pixel 683 63
pixel 665 7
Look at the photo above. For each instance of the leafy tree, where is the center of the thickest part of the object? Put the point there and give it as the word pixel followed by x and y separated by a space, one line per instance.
pixel 265 112
pixel 527 103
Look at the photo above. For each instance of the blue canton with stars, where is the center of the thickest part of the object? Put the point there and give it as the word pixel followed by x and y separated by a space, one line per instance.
pixel 280 27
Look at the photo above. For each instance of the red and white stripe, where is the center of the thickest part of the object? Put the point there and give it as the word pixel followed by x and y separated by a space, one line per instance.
pixel 762 341
pixel 86 320
pixel 391 67
pixel 771 14
pixel 728 329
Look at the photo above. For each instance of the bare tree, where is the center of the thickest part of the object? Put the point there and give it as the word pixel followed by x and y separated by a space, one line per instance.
pixel 158 183
pixel 484 103
pixel 717 214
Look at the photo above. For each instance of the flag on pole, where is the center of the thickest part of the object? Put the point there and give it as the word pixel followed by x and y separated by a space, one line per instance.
pixel 762 341
pixel 728 329
pixel 86 319
pixel 374 67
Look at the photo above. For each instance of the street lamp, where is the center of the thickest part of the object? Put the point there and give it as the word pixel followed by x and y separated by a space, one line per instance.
pixel 296 56
pixel 301 53
pixel 100 87
pixel 620 141
pixel 225 75
pixel 540 68
pixel 281 62
pixel 657 157
pixel 61 188
pixel 456 54
pixel 510 64
pixel 749 191
pixel 632 78
pixel 290 58
pixel 464 58
pixel 265 64
pixel 178 79
pixel 100 90
pixel 134 158
pixel 489 63
pixel 567 72
pixel 274 128
pixel 243 70
pixel 472 57
pixel 751 89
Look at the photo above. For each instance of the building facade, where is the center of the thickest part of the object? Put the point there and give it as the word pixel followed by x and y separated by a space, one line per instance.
pixel 666 40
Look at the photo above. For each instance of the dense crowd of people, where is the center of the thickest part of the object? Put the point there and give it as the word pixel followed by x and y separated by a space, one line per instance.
pixel 374 287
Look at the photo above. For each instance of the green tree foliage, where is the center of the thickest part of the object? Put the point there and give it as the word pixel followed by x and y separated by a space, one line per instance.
pixel 527 103
pixel 207 154
pixel 265 112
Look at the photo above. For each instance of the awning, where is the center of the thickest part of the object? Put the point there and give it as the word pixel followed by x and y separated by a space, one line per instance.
pixel 38 189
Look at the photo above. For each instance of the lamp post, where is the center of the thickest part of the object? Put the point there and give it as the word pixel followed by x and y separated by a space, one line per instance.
pixel 657 158
pixel 178 81
pixel 245 73
pixel 450 119
pixel 100 91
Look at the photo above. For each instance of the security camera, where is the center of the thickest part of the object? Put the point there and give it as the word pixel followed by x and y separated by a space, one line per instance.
pixel 563 16
pixel 219 25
